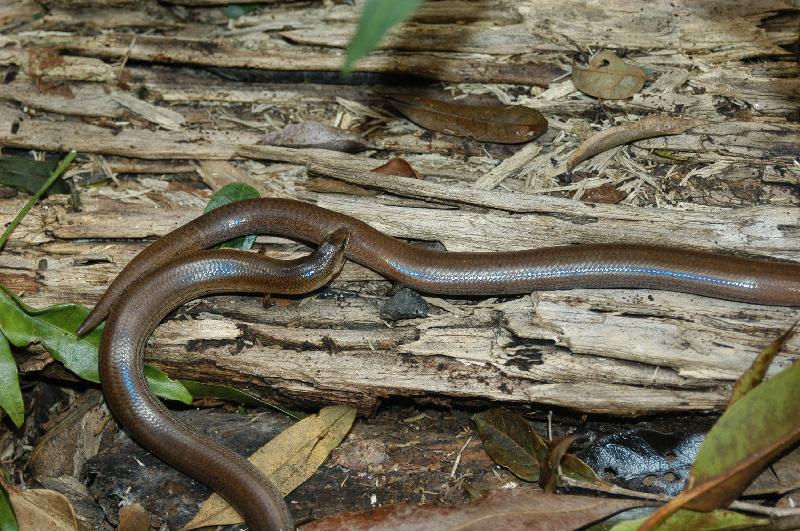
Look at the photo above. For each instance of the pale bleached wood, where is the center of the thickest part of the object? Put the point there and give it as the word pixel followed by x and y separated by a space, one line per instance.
pixel 653 351
pixel 447 67
pixel 218 173
pixel 85 99
pixel 612 351
pixel 681 26
pixel 345 163
pixel 363 376
pixel 18 131
pixel 769 230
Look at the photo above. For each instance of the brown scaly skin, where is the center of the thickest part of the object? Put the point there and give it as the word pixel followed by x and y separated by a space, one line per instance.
pixel 133 319
pixel 450 273
pixel 146 302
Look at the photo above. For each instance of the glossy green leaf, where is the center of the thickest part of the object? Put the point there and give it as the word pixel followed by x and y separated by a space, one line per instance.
pixel 54 327
pixel 163 385
pixel 10 393
pixel 8 519
pixel 230 193
pixel 711 521
pixel 28 175
pixel 377 18
pixel 750 434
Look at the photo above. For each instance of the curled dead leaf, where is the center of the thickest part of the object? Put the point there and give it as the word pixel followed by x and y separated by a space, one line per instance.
pixel 504 124
pixel 648 127
pixel 397 166
pixel 548 475
pixel 608 77
pixel 42 509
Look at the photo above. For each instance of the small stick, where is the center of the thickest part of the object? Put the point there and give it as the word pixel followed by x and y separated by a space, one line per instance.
pixel 39 193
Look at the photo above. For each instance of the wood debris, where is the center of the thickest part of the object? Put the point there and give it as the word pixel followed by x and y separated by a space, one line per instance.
pixel 183 101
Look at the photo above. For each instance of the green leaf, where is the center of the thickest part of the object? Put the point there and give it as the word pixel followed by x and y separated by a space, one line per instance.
pixel 751 433
pixel 61 168
pixel 10 393
pixel 574 468
pixel 55 327
pixel 377 18
pixel 28 175
pixel 712 521
pixel 755 374
pixel 230 193
pixel 223 392
pixel 236 11
pixel 163 385
pixel 8 518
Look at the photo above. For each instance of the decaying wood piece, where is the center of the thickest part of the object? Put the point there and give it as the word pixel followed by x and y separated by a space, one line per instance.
pixel 642 351
pixel 120 94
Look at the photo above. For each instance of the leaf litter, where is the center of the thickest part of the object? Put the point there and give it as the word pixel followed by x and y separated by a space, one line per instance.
pixel 287 460
pixel 608 77
pixel 504 124
pixel 510 510
pixel 753 431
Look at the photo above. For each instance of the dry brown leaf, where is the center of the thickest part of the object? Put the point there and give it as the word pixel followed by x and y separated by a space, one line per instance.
pixel 548 475
pixel 509 510
pixel 648 127
pixel 398 166
pixel 608 77
pixel 505 124
pixel 606 193
pixel 42 509
pixel 133 517
pixel 316 135
pixel 287 460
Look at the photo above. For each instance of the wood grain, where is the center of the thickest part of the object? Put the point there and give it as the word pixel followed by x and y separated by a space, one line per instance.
pixel 179 103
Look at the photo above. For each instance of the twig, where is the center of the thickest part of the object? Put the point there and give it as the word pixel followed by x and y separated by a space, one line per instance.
pixel 458 458
pixel 39 193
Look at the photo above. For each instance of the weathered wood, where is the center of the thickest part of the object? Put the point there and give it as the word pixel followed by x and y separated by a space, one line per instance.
pixel 434 65
pixel 66 86
pixel 643 351
pixel 166 103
